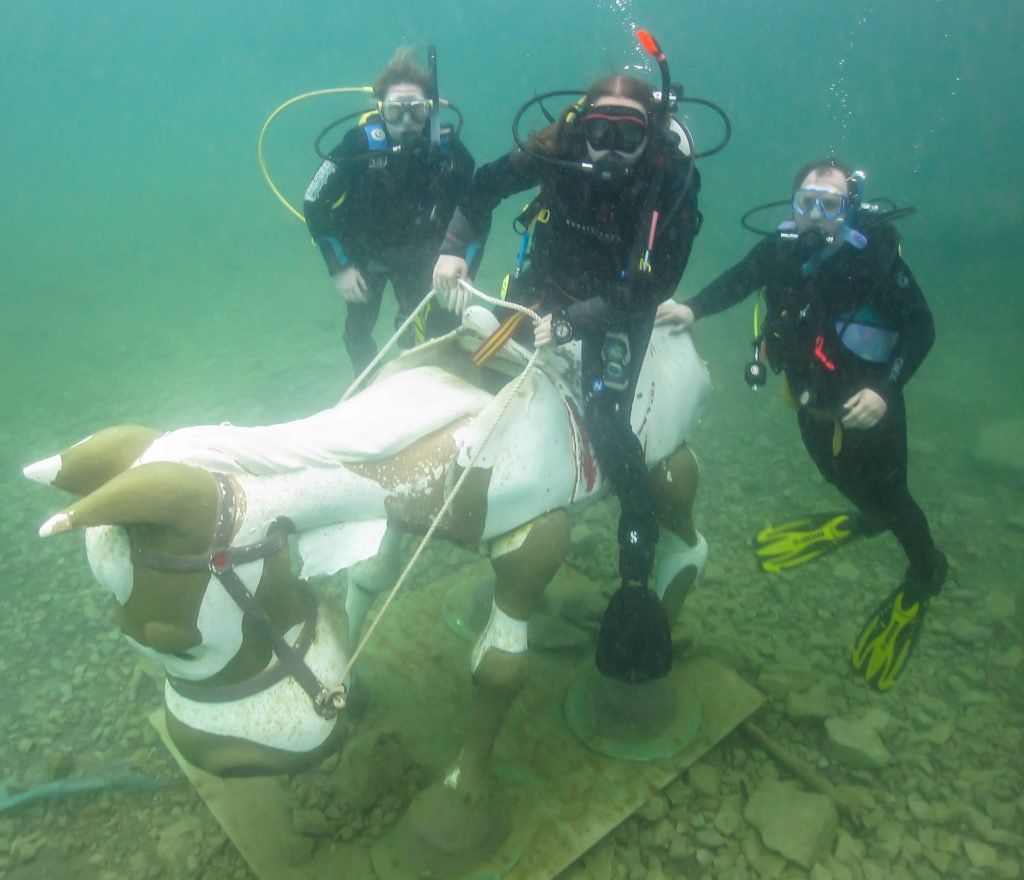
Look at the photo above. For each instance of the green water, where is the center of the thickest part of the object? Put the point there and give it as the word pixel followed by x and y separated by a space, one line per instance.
pixel 149 276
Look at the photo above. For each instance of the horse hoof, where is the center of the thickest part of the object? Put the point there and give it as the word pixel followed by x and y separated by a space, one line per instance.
pixel 443 834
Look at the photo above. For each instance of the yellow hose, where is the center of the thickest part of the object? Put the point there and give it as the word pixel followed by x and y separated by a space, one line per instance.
pixel 366 90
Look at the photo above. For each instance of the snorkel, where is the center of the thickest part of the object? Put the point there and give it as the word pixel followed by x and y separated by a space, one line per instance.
pixel 655 51
pixel 661 126
pixel 435 101
pixel 848 230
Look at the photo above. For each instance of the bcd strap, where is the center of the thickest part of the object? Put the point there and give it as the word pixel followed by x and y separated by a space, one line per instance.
pixel 377 139
pixel 535 210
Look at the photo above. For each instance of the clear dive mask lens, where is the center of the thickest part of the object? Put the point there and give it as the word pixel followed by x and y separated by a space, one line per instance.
pixel 831 205
pixel 605 129
pixel 393 111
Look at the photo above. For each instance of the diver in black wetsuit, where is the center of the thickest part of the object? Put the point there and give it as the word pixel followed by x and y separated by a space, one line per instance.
pixel 847 325
pixel 378 207
pixel 616 218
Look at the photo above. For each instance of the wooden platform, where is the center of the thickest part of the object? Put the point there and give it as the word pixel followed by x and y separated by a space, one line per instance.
pixel 561 797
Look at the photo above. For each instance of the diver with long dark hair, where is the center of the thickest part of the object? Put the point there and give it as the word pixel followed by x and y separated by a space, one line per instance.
pixel 615 221
pixel 379 204
pixel 847 326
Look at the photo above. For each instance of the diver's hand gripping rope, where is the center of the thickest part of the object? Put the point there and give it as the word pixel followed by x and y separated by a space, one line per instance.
pixel 337 694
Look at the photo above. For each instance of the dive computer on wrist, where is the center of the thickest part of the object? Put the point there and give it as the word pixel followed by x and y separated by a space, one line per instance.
pixel 561 328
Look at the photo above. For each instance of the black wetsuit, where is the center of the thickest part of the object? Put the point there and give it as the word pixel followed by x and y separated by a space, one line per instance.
pixel 385 213
pixel 583 268
pixel 864 301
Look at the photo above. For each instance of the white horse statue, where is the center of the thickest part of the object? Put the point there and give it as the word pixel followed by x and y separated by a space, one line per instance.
pixel 192 531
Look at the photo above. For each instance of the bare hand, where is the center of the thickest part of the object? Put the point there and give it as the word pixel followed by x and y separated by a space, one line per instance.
pixel 542 336
pixel 677 316
pixel 350 285
pixel 448 270
pixel 864 410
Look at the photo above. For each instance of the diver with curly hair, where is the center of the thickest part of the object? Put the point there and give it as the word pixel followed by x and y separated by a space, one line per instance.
pixel 615 221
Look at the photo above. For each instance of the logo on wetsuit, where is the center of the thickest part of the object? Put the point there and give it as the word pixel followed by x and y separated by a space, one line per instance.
pixel 593 231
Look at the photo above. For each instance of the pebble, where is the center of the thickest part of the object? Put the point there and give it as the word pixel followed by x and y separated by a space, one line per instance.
pixel 24 849
pixel 709 838
pixel 940 733
pixel 1008 869
pixel 981 854
pixel 1011 658
pixel 705 780
pixel 729 819
pixel 654 809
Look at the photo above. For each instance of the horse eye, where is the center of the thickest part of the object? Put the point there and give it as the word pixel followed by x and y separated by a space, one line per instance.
pixel 184 655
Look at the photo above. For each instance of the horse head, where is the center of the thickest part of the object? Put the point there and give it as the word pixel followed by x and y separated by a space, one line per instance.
pixel 210 597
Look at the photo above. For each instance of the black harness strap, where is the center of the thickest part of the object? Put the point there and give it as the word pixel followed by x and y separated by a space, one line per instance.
pixel 221 563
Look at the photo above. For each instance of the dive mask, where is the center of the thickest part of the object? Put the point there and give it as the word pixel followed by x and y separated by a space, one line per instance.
pixel 392 112
pixel 609 127
pixel 829 204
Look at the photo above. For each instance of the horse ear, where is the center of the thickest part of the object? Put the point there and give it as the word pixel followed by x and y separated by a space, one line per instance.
pixel 177 496
pixel 93 461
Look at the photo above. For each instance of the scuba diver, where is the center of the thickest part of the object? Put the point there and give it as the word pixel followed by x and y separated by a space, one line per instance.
pixel 379 204
pixel 615 221
pixel 847 326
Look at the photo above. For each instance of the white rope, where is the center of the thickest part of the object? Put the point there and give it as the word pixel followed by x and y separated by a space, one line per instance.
pixel 387 346
pixel 502 303
pixel 337 693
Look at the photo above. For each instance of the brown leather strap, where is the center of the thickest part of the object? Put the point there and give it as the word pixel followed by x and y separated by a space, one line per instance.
pixel 221 564
pixel 223 553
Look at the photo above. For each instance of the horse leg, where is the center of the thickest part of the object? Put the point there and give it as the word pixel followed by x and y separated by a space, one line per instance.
pixel 454 816
pixel 682 550
pixel 369 578
pixel 523 567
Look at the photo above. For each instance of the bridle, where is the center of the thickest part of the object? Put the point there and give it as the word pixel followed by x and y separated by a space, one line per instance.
pixel 221 563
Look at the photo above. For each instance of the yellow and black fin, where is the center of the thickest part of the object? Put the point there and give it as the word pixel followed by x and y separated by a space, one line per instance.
pixel 794 543
pixel 887 640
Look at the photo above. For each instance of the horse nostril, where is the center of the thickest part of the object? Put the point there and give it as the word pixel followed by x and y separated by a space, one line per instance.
pixel 184 655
